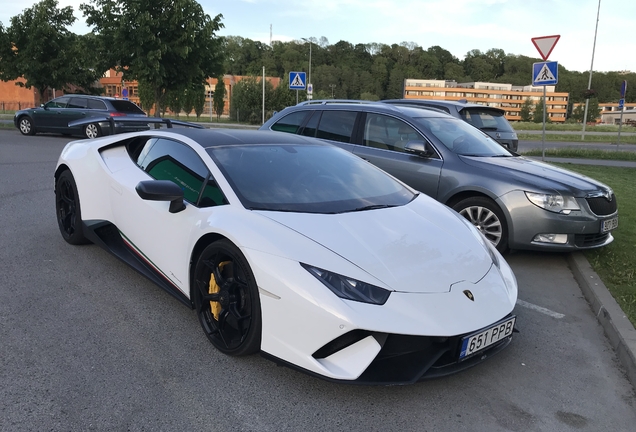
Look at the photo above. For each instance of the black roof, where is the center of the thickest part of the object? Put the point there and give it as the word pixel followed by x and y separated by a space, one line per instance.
pixel 222 137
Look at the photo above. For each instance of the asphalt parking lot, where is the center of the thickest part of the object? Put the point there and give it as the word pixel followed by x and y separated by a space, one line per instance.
pixel 86 343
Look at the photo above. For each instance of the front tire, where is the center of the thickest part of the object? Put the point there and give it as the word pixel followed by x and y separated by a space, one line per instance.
pixel 92 131
pixel 226 299
pixel 67 208
pixel 25 124
pixel 487 218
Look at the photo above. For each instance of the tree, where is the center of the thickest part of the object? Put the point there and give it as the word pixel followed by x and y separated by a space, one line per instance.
pixel 537 116
pixel 174 101
pixel 198 98
pixel 146 96
pixel 187 100
pixel 247 100
pixel 39 47
pixel 526 110
pixel 219 97
pixel 168 44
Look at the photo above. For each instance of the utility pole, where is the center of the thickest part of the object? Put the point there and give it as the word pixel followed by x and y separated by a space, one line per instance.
pixel 589 83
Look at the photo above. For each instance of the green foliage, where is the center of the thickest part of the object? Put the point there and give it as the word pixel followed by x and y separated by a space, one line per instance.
pixel 219 97
pixel 39 47
pixel 168 44
pixel 247 100
pixel 526 110
pixel 174 101
pixel 578 153
pixel 187 101
pixel 146 96
pixel 537 115
pixel 198 98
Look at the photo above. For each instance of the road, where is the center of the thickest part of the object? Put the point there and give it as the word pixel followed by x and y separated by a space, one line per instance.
pixel 87 344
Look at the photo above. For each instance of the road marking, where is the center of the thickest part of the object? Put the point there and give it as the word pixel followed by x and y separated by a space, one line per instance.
pixel 540 309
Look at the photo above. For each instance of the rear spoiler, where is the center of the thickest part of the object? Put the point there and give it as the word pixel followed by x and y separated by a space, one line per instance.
pixel 123 119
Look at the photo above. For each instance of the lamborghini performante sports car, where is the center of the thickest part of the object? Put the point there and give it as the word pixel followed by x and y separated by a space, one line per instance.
pixel 293 248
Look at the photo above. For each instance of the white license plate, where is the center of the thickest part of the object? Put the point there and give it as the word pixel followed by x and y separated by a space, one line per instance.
pixel 609 224
pixel 482 340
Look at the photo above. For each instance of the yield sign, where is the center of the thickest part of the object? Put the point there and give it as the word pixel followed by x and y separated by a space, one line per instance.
pixel 545 44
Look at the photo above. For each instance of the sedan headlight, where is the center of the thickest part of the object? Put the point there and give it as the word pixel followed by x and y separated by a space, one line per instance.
pixel 556 203
pixel 348 288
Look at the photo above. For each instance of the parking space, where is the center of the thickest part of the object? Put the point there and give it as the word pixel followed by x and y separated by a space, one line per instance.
pixel 89 344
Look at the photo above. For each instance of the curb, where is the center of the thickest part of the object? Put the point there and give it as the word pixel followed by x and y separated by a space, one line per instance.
pixel 618 328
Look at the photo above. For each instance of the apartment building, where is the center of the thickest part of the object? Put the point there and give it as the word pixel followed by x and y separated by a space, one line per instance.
pixel 505 96
pixel 610 114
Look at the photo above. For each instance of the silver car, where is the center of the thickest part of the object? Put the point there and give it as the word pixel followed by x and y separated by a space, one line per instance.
pixel 517 203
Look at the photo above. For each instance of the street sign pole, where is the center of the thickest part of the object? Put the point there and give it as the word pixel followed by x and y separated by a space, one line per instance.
pixel 543 134
pixel 621 106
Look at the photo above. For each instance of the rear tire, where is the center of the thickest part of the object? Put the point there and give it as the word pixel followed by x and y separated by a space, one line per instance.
pixel 92 131
pixel 67 209
pixel 25 124
pixel 487 218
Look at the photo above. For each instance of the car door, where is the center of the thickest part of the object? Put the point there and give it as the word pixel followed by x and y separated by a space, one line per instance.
pixel 48 118
pixel 161 238
pixel 383 141
pixel 75 110
pixel 334 126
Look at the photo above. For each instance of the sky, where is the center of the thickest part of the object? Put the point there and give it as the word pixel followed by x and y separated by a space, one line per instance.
pixel 456 25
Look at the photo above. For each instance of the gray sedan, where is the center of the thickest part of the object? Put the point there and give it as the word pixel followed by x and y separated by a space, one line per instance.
pixel 516 202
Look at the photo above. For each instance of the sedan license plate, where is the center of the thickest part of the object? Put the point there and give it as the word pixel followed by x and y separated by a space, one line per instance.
pixel 609 224
pixel 482 340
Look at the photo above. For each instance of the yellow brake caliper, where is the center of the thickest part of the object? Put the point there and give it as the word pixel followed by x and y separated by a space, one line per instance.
pixel 214 288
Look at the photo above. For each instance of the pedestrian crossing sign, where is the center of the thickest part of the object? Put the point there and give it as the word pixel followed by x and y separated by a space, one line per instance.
pixel 297 81
pixel 545 73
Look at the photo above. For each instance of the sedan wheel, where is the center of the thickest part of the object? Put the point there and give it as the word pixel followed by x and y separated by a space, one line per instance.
pixel 91 131
pixel 226 299
pixel 487 218
pixel 26 126
pixel 67 208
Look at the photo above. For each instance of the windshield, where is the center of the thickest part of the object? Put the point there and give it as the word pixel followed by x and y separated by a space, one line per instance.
pixel 486 119
pixel 306 178
pixel 460 137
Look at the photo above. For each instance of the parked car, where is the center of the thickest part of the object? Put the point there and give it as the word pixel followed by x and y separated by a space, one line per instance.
pixel 294 248
pixel 490 120
pixel 55 115
pixel 514 201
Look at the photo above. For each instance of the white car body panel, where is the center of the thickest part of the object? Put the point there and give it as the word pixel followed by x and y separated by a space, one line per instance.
pixel 412 250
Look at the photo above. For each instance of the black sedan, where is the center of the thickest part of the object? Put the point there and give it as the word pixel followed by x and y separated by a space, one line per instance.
pixel 55 115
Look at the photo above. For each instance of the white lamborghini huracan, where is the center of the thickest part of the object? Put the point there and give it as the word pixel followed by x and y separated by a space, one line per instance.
pixel 294 248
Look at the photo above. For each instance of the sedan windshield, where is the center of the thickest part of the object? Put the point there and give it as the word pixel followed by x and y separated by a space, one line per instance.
pixel 306 178
pixel 460 137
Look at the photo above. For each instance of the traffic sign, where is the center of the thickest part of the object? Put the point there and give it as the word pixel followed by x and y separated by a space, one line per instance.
pixel 297 81
pixel 621 104
pixel 310 89
pixel 545 44
pixel 545 73
pixel 623 89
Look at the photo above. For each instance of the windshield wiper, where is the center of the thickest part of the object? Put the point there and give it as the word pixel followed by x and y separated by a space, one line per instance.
pixel 371 207
pixel 488 128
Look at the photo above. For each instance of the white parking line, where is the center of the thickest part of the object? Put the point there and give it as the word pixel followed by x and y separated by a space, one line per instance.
pixel 540 309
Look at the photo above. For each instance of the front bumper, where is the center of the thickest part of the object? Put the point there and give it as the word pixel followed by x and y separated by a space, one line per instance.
pixel 526 221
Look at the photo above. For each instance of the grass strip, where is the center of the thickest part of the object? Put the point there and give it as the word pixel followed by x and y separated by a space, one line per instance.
pixel 615 263
pixel 611 139
pixel 622 155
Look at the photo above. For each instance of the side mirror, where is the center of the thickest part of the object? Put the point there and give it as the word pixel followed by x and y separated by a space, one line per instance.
pixel 162 190
pixel 43 106
pixel 419 148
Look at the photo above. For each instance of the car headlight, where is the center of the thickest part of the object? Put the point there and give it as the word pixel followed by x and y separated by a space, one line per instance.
pixel 349 289
pixel 556 203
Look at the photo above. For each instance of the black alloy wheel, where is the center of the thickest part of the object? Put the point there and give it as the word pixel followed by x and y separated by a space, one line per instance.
pixel 67 209
pixel 487 218
pixel 226 299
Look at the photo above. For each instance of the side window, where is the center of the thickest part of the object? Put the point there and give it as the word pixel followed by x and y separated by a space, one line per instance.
pixel 77 102
pixel 96 104
pixel 58 103
pixel 337 125
pixel 164 159
pixel 388 133
pixel 290 123
pixel 311 126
